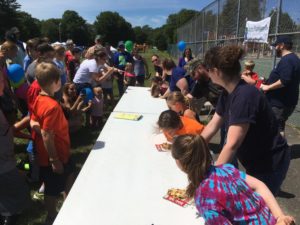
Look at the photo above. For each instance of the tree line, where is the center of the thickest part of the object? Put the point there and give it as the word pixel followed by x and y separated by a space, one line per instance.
pixel 110 25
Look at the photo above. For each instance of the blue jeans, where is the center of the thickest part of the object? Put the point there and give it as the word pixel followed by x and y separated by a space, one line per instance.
pixel 274 179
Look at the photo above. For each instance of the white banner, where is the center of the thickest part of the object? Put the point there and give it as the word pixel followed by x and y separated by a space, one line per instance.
pixel 257 31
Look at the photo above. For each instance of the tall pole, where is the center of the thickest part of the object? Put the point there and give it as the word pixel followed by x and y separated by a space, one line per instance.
pixel 59 31
pixel 279 3
pixel 238 22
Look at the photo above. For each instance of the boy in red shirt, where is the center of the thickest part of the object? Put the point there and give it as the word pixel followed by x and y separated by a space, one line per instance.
pixel 52 140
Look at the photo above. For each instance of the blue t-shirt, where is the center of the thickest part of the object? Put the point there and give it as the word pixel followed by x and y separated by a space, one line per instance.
pixel 263 147
pixel 121 58
pixel 288 72
pixel 224 197
pixel 177 74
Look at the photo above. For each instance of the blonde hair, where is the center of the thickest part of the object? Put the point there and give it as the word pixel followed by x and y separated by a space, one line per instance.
pixel 194 157
pixel 249 63
pixel 59 50
pixel 177 96
pixel 46 74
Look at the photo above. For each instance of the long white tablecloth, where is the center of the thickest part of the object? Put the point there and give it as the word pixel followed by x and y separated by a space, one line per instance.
pixel 124 179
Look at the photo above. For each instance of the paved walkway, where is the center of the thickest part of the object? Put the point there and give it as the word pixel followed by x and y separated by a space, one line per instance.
pixel 289 197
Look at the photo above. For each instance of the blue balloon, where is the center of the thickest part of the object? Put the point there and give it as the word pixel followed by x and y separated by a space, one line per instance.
pixel 15 73
pixel 181 45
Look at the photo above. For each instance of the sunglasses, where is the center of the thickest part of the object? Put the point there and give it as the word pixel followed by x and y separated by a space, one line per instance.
pixel 154 60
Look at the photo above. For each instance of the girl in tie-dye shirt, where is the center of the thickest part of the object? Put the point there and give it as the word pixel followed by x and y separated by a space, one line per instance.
pixel 223 194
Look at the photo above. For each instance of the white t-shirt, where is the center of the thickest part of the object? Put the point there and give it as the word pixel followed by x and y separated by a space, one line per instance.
pixel 86 70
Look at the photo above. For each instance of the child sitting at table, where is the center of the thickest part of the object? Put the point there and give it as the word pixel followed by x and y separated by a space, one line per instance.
pixel 177 102
pixel 172 125
pixel 158 87
pixel 223 194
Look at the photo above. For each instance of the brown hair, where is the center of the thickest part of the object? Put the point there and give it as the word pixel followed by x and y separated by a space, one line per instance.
pixel 194 157
pixel 177 96
pixel 169 120
pixel 225 59
pixel 46 74
pixel 168 64
pixel 8 46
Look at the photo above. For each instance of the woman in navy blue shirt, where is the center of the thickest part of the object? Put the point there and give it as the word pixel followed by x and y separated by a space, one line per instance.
pixel 251 127
pixel 178 80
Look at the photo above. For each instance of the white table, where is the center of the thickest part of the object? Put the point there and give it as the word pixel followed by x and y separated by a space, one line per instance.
pixel 139 100
pixel 124 179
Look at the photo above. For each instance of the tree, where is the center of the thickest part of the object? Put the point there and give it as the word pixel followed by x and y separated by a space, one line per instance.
pixel 8 15
pixel 113 27
pixel 29 27
pixel 286 23
pixel 160 38
pixel 50 29
pixel 140 35
pixel 74 27
pixel 176 20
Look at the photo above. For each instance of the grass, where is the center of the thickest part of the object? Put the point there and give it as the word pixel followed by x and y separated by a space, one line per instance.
pixel 81 144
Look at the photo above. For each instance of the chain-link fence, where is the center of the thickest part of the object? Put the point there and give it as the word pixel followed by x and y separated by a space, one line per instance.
pixel 223 22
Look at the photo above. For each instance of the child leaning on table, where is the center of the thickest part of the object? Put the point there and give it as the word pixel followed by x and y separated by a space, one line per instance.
pixel 223 194
pixel 172 125
pixel 52 140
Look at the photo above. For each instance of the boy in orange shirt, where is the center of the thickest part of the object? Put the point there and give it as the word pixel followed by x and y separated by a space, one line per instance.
pixel 173 125
pixel 52 140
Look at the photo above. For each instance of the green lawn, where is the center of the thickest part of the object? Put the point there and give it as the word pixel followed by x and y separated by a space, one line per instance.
pixel 81 145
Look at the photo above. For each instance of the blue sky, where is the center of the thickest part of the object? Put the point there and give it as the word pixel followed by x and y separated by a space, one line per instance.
pixel 138 12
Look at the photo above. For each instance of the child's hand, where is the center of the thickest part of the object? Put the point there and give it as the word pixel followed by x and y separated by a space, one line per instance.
pixel 285 220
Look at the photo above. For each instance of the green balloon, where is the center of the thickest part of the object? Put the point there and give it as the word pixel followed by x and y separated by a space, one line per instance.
pixel 129 45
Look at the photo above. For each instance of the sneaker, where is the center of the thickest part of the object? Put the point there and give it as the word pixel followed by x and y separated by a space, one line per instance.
pixel 38 196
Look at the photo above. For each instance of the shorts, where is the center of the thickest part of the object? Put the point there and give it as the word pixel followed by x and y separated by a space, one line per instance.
pixel 282 115
pixel 55 183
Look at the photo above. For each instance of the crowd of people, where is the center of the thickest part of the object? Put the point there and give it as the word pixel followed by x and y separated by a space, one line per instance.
pixel 53 90
pixel 48 92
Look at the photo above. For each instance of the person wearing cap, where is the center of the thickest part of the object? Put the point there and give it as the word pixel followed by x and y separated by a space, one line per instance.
pixel 98 44
pixel 282 87
pixel 13 35
pixel 202 86
pixel 120 59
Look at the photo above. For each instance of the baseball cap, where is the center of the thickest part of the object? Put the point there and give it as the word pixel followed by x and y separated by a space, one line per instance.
pixel 69 42
pixel 121 44
pixel 15 30
pixel 282 39
pixel 98 37
pixel 192 65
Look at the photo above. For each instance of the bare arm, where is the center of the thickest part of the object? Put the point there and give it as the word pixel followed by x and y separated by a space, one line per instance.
pixel 278 84
pixel 212 127
pixel 183 86
pixel 48 139
pixel 235 137
pixel 259 187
